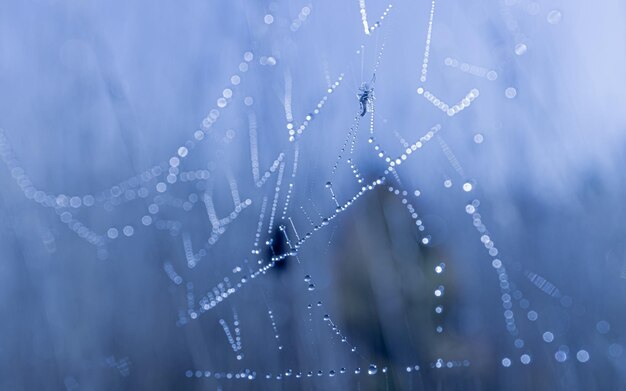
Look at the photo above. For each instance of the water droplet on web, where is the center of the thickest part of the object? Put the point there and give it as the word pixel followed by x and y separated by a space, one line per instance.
pixel 520 49
pixel 548 336
pixel 510 92
pixel 372 370
pixel 492 75
pixel 603 327
pixel 554 17
pixel 582 356
pixel 311 287
pixel 615 350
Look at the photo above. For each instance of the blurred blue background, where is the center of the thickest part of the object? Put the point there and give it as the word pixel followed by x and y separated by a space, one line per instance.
pixel 130 128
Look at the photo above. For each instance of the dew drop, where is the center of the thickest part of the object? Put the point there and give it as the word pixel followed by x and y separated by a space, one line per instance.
pixel 554 17
pixel 548 336
pixel 603 327
pixel 560 356
pixel 492 75
pixel 582 356
pixel 520 49
pixel 510 92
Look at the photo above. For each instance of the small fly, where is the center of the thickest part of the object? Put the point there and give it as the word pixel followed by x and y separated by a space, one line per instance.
pixel 366 96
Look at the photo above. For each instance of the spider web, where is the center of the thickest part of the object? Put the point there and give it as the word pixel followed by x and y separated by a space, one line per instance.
pixel 251 203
